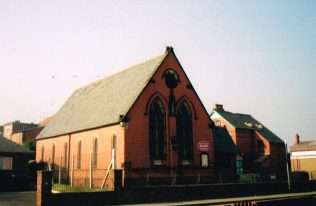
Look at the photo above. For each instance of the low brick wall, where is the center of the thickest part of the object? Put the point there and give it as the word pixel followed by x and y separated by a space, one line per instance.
pixel 178 193
pixel 166 193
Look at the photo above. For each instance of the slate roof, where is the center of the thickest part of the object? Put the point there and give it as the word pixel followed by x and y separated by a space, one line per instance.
pixel 246 121
pixel 7 146
pixel 102 102
pixel 223 142
pixel 304 146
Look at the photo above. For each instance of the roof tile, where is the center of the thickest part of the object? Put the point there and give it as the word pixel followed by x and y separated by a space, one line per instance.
pixel 102 102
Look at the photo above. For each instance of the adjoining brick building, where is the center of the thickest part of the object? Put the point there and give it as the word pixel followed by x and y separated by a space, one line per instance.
pixel 263 153
pixel 147 120
pixel 227 155
pixel 303 156
pixel 20 132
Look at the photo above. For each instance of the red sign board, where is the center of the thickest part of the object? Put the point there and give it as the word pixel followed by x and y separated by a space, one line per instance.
pixel 203 146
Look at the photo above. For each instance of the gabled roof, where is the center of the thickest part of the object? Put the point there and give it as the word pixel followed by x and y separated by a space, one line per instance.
pixel 304 146
pixel 102 102
pixel 246 121
pixel 7 146
pixel 223 142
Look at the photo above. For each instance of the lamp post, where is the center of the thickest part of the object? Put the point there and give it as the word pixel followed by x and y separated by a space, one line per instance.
pixel 287 168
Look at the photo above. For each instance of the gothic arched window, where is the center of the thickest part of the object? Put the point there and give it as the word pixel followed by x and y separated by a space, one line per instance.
pixel 42 154
pixel 65 155
pixel 157 140
pixel 184 132
pixel 53 157
pixel 79 155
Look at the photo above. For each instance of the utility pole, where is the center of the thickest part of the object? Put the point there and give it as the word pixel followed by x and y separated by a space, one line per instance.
pixel 287 168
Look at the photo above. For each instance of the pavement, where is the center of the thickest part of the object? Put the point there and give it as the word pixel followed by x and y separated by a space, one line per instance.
pixel 18 198
pixel 29 199
pixel 229 201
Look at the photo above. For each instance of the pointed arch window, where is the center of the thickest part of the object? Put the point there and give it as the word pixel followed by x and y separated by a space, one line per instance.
pixel 53 157
pixel 184 132
pixel 157 139
pixel 42 153
pixel 79 155
pixel 95 153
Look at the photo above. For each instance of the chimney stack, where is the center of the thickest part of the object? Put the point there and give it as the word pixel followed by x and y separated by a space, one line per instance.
pixel 219 108
pixel 297 139
pixel 169 49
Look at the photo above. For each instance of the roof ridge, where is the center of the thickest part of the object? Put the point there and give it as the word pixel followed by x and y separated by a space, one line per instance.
pixel 243 114
pixel 235 113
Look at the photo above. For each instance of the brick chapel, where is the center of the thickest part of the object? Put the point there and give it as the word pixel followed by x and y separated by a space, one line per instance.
pixel 147 121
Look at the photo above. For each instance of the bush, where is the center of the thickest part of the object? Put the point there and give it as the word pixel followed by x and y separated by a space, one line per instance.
pixel 30 145
pixel 299 176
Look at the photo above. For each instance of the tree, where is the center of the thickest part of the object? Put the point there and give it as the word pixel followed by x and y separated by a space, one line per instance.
pixel 30 144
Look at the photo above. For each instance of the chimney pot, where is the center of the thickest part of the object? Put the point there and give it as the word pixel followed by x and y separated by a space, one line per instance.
pixel 169 49
pixel 297 139
pixel 219 107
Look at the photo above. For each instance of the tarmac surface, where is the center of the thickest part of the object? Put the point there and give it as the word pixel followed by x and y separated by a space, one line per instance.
pixel 18 198
pixel 29 199
pixel 229 201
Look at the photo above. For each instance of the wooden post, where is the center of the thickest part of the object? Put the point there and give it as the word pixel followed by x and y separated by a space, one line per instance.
pixel 118 183
pixel 90 176
pixel 44 188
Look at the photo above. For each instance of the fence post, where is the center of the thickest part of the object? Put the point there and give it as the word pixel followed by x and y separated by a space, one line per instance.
pixel 118 183
pixel 90 176
pixel 44 188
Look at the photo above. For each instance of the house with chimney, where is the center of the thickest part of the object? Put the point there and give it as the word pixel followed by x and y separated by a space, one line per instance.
pixel 20 132
pixel 261 151
pixel 147 121
pixel 303 156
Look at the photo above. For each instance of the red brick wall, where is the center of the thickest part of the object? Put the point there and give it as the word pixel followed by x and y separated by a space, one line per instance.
pixel 104 136
pixel 21 137
pixel 31 134
pixel 137 134
pixel 246 141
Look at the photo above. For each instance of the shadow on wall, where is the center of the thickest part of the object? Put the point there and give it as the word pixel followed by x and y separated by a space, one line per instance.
pixel 12 180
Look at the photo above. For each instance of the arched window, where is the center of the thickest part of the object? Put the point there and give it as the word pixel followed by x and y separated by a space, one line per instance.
pixel 65 155
pixel 42 153
pixel 53 157
pixel 95 153
pixel 184 132
pixel 79 155
pixel 157 140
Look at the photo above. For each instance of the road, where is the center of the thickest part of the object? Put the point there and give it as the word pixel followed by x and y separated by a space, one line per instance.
pixel 229 201
pixel 29 199
pixel 18 198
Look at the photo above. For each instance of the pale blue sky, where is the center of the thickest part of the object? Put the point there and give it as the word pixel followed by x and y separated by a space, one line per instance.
pixel 255 57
